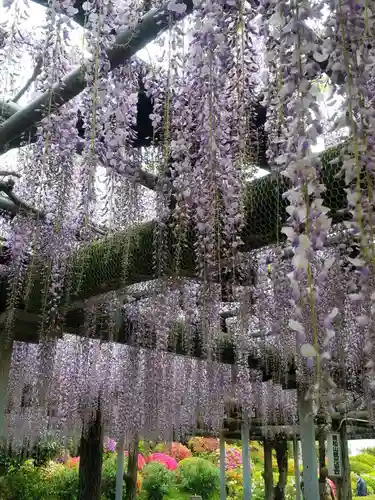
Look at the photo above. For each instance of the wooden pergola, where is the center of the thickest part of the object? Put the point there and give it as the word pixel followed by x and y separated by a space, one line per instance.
pixel 261 211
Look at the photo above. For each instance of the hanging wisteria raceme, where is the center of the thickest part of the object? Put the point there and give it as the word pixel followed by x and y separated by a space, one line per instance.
pixel 252 336
pixel 307 308
pixel 12 45
pixel 135 397
pixel 54 178
pixel 345 340
pixel 209 148
pixel 355 58
pixel 308 223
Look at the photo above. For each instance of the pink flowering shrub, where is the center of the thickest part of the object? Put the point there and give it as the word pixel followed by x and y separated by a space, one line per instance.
pixel 233 458
pixel 169 462
pixel 141 461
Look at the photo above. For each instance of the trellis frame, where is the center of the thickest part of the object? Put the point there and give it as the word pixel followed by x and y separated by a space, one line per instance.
pixel 127 43
pixel 140 256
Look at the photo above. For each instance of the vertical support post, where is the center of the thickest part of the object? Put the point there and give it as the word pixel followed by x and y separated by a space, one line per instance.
pixel 297 472
pixel 268 472
pixel 245 436
pixel 6 347
pixel 223 490
pixel 346 490
pixel 120 468
pixel 307 431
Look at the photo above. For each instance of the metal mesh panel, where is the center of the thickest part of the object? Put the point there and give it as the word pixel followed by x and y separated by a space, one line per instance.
pixel 129 257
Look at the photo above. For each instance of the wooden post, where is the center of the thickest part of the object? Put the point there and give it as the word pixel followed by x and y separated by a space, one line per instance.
pixel 321 422
pixel 223 488
pixel 91 459
pixel 6 347
pixel 281 448
pixel 268 473
pixel 322 450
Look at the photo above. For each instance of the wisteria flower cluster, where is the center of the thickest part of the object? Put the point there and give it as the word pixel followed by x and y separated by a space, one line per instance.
pixel 140 214
pixel 109 445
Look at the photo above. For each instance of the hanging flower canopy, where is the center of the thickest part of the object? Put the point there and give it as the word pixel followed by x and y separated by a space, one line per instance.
pixel 139 392
pixel 181 206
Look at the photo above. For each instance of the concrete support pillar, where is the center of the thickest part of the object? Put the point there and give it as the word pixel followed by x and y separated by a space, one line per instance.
pixel 6 347
pixel 310 464
pixel 223 489
pixel 245 436
pixel 120 468
pixel 297 472
pixel 268 473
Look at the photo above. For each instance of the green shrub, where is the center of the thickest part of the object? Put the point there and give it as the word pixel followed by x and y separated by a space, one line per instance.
pixel 60 483
pixel 109 477
pixel 23 483
pixel 370 482
pixel 199 476
pixel 360 467
pixel 27 482
pixel 157 481
pixel 370 451
pixel 45 451
pixel 365 458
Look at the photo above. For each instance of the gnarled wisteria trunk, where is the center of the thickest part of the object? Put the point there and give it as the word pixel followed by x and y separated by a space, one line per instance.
pixel 91 458
pixel 132 470
pixel 268 471
pixel 281 448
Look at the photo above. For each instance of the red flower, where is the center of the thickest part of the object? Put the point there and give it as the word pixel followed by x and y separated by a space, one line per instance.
pixel 72 463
